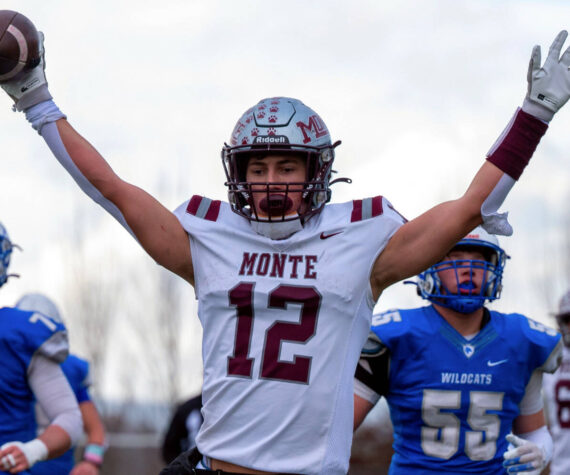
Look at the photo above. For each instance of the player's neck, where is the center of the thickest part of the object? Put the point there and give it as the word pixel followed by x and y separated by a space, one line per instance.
pixel 465 323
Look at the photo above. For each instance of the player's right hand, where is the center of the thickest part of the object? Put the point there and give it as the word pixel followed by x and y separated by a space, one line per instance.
pixel 549 85
pixel 17 456
pixel 30 86
pixel 12 457
pixel 523 456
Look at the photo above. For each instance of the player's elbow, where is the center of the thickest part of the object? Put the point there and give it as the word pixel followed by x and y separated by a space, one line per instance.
pixel 71 422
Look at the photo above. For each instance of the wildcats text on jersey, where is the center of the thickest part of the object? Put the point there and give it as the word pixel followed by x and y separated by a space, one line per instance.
pixel 278 265
pixel 467 378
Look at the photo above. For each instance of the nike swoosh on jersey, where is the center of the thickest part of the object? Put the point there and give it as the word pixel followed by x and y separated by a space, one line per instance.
pixel 326 236
pixel 496 363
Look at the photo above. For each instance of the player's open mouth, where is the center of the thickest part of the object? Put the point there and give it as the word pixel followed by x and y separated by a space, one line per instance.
pixel 467 288
pixel 276 204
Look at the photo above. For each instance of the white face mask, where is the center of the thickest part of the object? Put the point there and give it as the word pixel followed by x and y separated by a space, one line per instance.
pixel 276 229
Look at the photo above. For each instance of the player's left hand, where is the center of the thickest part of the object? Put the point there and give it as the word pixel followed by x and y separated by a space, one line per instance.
pixel 12 457
pixel 84 468
pixel 523 456
pixel 549 85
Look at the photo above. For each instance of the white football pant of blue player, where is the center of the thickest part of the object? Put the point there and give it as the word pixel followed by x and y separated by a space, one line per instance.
pixel 462 382
pixel 32 345
pixel 286 281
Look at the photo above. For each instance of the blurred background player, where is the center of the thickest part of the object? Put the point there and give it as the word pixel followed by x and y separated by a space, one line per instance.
pixel 458 378
pixel 556 389
pixel 76 370
pixel 32 345
pixel 183 429
pixel 286 283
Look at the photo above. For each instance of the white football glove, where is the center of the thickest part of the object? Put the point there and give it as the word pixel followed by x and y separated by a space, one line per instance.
pixel 29 87
pixel 549 86
pixel 524 456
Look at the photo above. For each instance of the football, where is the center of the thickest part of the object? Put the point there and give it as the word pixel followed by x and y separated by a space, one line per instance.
pixel 19 45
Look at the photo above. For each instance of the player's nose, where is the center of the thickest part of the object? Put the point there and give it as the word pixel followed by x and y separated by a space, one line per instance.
pixel 273 178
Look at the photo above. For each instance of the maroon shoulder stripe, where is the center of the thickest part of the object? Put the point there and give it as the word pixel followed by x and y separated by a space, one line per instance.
pixel 193 204
pixel 356 211
pixel 213 210
pixel 204 208
pixel 366 209
pixel 377 209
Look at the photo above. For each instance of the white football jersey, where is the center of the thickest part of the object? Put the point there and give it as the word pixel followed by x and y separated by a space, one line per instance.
pixel 556 389
pixel 284 322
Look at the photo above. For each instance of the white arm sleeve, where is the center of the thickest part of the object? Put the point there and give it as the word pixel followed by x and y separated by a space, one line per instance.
pixel 55 396
pixel 532 401
pixel 365 392
pixel 361 389
pixel 493 221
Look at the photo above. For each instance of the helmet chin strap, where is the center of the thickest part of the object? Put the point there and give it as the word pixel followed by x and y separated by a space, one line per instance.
pixel 276 229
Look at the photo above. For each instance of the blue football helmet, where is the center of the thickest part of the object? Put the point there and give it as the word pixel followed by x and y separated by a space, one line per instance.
pixel 6 247
pixel 430 286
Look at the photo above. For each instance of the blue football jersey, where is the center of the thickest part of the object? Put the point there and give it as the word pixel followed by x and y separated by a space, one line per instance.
pixel 452 400
pixel 76 371
pixel 24 334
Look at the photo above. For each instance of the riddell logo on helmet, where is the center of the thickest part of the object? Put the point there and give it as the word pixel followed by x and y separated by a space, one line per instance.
pixel 271 139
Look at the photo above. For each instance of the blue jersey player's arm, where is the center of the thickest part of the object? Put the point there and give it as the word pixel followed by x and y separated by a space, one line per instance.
pixel 371 378
pixel 53 393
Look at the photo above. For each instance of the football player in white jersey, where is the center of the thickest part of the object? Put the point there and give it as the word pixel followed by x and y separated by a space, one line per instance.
pixel 458 377
pixel 556 388
pixel 32 346
pixel 286 283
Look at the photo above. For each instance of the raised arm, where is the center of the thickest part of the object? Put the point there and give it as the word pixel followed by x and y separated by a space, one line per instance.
pixel 154 226
pixel 423 241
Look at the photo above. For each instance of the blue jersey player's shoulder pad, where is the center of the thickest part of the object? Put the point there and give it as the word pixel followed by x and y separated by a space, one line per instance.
pixel 394 327
pixel 372 347
pixel 384 324
pixel 392 322
pixel 545 343
pixel 34 333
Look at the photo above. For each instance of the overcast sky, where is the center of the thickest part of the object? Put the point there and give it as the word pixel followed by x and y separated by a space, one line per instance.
pixel 417 91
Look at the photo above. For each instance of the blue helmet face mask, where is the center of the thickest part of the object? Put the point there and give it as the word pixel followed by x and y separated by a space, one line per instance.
pixel 468 298
pixel 6 248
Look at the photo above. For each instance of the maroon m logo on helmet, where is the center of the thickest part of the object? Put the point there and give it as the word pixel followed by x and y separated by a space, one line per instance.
pixel 316 125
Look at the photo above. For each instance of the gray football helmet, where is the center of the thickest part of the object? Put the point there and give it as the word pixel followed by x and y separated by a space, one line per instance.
pixel 280 125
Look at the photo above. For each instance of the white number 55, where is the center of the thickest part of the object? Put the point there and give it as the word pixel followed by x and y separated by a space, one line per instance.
pixel 440 435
